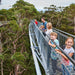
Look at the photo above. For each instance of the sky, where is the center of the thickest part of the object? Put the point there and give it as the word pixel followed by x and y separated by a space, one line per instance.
pixel 39 4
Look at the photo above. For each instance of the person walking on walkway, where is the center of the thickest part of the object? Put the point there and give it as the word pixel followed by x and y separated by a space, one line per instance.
pixel 44 22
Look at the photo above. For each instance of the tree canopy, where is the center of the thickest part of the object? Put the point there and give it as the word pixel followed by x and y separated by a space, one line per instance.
pixel 15 53
pixel 61 17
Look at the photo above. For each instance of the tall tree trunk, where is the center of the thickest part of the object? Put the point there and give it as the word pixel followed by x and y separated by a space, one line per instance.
pixel 0 45
pixel 11 73
pixel 16 70
pixel 2 67
pixel 74 24
pixel 14 45
pixel 0 53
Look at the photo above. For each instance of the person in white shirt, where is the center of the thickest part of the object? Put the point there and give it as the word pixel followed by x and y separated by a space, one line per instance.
pixel 49 28
pixel 69 50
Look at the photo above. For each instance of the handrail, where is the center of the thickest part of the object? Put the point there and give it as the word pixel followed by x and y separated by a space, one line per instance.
pixel 44 62
pixel 35 59
pixel 64 32
pixel 63 51
pixel 60 49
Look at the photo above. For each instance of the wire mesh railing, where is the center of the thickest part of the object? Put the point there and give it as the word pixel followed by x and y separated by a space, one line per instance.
pixel 43 52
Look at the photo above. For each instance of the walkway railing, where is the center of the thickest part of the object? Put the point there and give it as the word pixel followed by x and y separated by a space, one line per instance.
pixel 43 50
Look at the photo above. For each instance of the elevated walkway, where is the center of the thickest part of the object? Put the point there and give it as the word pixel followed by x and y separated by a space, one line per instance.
pixel 41 50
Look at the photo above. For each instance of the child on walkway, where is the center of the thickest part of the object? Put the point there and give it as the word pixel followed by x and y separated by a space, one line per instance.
pixel 53 37
pixel 49 28
pixel 42 28
pixel 68 50
pixel 36 22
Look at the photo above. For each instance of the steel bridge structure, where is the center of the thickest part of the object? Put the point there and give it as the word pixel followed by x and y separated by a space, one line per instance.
pixel 41 51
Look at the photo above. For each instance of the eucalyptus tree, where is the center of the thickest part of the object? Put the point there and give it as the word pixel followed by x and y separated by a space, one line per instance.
pixel 16 54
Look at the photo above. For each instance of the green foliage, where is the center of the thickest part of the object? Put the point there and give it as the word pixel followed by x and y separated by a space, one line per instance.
pixel 14 26
pixel 61 17
pixel 1 57
pixel 18 58
pixel 2 18
pixel 6 13
pixel 15 38
pixel 13 18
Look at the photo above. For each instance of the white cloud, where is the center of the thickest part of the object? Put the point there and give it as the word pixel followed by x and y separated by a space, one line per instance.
pixel 46 3
pixel 39 4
